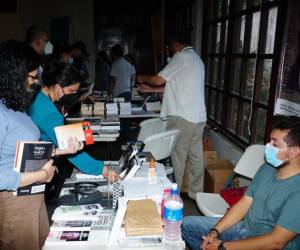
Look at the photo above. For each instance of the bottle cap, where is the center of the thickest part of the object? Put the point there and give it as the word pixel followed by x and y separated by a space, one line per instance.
pixel 152 163
pixel 174 188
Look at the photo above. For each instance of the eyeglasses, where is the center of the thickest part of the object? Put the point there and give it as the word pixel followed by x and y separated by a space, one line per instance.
pixel 35 79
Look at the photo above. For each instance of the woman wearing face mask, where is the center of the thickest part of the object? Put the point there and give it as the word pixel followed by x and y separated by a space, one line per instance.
pixel 23 219
pixel 60 85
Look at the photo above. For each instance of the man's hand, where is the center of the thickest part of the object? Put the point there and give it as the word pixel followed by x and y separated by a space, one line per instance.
pixel 210 243
pixel 140 78
pixel 144 88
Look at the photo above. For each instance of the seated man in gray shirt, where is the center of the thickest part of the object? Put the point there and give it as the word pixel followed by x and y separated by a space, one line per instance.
pixel 267 216
pixel 121 74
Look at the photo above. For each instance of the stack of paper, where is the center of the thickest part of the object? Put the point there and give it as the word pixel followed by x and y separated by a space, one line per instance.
pixel 125 108
pixel 153 106
pixel 111 108
pixel 142 218
pixel 132 187
pixel 139 241
pixel 99 108
pixel 83 212
pixel 86 109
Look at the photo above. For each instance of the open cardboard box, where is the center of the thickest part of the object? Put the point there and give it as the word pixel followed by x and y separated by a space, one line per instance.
pixel 216 173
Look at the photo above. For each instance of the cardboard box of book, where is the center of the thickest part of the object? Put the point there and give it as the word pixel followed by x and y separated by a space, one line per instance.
pixel 207 144
pixel 216 174
pixel 207 155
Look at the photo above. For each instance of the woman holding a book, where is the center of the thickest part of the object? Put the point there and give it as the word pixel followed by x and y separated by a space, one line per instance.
pixel 60 84
pixel 23 219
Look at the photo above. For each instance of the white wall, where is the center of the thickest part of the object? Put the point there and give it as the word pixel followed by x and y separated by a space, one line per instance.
pixel 225 148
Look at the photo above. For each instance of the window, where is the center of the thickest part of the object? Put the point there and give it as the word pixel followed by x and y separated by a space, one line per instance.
pixel 239 55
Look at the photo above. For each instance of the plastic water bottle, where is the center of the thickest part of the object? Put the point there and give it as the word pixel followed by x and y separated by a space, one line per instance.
pixel 166 194
pixel 173 216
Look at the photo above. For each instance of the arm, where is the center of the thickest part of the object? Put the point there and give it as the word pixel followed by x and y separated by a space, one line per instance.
pixel 154 80
pixel 232 217
pixel 144 88
pixel 45 174
pixel 111 85
pixel 277 239
pixel 234 214
pixel 81 160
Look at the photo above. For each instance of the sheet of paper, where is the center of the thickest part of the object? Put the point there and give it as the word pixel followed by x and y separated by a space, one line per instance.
pixel 132 188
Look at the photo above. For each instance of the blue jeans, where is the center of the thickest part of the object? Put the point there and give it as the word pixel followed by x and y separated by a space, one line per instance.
pixel 194 227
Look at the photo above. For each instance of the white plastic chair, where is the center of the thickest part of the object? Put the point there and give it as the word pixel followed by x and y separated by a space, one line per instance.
pixel 150 127
pixel 161 146
pixel 211 204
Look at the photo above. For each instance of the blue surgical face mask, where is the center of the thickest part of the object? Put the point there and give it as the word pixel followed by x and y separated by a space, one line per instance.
pixel 48 48
pixel 71 60
pixel 271 153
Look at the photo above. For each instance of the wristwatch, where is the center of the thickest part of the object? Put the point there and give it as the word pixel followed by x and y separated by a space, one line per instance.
pixel 214 232
pixel 221 246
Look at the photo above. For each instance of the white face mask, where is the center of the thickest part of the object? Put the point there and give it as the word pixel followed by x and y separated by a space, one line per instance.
pixel 48 48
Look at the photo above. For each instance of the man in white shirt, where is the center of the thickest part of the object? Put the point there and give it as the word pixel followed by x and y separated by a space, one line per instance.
pixel 183 82
pixel 120 75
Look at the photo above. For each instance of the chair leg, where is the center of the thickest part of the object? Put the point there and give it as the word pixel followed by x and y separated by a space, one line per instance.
pixel 173 179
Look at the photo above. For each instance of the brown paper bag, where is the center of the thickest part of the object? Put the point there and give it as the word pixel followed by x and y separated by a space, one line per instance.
pixel 142 218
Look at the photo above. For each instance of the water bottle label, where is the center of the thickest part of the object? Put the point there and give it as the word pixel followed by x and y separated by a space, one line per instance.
pixel 172 215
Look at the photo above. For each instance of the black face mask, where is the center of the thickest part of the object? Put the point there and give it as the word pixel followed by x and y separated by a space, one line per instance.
pixel 68 100
pixel 32 90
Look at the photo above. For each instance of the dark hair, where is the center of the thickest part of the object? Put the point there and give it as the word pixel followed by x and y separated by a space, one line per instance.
pixel 180 37
pixel 16 60
pixel 129 58
pixel 34 32
pixel 81 46
pixel 102 54
pixel 292 125
pixel 59 49
pixel 117 50
pixel 64 74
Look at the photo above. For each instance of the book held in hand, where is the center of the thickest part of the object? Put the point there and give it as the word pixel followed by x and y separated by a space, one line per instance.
pixel 31 157
pixel 82 131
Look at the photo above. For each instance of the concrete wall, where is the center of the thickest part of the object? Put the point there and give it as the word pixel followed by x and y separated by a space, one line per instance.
pixel 40 12
pixel 225 148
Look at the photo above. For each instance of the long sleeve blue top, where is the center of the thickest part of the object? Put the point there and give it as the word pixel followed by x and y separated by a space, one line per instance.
pixel 46 116
pixel 14 126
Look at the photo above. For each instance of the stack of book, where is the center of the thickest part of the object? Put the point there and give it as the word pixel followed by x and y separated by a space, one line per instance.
pixel 79 225
pixel 112 108
pixel 125 108
pixel 108 128
pixel 143 225
pixel 86 109
pixel 99 108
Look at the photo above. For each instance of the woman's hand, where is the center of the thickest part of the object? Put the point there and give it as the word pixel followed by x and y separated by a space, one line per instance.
pixel 49 170
pixel 73 147
pixel 110 175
